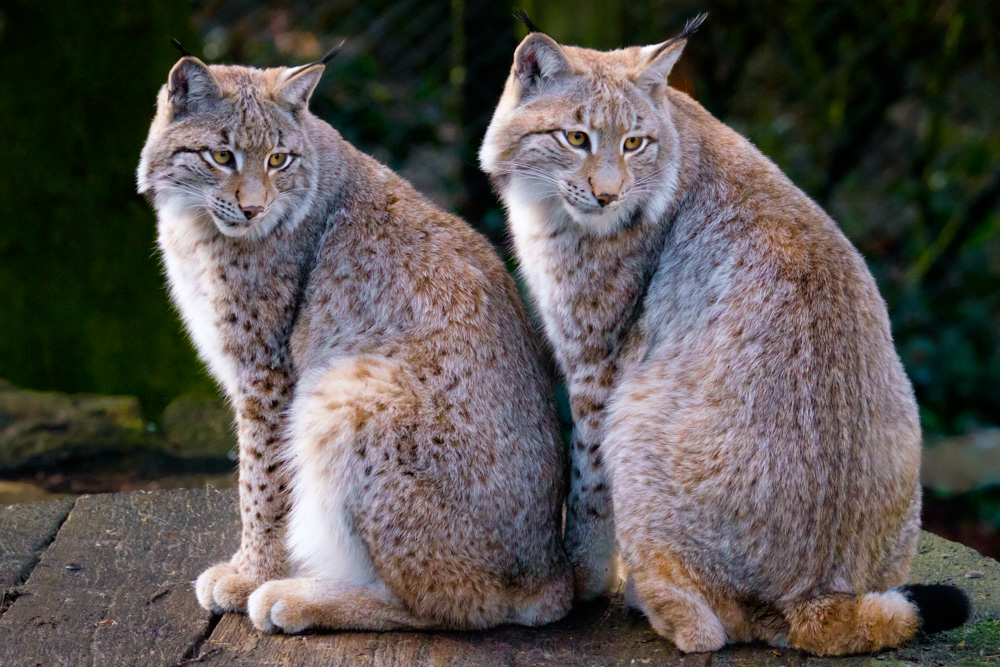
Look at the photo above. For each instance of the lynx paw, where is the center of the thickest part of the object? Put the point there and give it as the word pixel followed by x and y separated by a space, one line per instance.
pixel 222 588
pixel 632 600
pixel 279 606
pixel 595 575
pixel 700 638
pixel 698 633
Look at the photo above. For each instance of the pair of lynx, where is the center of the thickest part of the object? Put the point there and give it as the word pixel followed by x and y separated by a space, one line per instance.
pixel 743 429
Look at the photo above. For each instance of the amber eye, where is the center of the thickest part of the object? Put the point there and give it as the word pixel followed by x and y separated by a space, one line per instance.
pixel 576 138
pixel 223 157
pixel 632 143
pixel 277 160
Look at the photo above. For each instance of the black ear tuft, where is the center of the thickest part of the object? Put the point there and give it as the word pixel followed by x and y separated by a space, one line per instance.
pixel 177 45
pixel 690 28
pixel 941 607
pixel 523 17
pixel 692 25
pixel 332 52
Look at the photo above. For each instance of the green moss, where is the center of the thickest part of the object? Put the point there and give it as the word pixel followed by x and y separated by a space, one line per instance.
pixel 979 644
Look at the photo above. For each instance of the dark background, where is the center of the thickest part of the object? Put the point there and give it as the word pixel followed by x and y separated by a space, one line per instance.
pixel 885 112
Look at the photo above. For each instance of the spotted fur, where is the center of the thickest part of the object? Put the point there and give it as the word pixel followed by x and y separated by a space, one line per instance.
pixel 400 464
pixel 742 422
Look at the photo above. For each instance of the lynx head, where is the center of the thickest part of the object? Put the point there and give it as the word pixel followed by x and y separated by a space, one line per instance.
pixel 587 129
pixel 229 143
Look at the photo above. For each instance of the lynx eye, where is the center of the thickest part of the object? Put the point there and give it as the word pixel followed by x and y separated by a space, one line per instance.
pixel 277 160
pixel 633 143
pixel 577 139
pixel 223 157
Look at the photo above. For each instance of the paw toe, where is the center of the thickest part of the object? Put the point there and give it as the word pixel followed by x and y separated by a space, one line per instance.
pixel 206 583
pixel 259 607
pixel 275 607
pixel 232 591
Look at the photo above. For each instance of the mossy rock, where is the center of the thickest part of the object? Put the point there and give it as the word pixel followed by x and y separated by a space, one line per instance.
pixel 39 429
pixel 199 427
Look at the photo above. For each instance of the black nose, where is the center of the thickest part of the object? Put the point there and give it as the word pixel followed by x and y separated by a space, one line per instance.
pixel 606 199
pixel 251 211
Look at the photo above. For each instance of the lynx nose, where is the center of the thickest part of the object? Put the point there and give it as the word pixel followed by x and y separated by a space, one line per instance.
pixel 605 199
pixel 251 211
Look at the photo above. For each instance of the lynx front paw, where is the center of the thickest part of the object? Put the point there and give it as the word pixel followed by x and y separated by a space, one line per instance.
pixel 222 588
pixel 279 606
pixel 701 636
pixel 595 575
pixel 593 582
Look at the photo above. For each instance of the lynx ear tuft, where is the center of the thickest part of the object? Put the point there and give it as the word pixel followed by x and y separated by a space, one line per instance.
pixel 332 52
pixel 191 87
pixel 539 60
pixel 523 17
pixel 661 58
pixel 177 45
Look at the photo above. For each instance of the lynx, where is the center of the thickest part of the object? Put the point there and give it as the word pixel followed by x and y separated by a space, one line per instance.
pixel 399 458
pixel 743 428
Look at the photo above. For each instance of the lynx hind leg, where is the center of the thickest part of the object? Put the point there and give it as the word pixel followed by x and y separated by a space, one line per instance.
pixel 294 605
pixel 896 570
pixel 673 601
pixel 404 557
pixel 328 422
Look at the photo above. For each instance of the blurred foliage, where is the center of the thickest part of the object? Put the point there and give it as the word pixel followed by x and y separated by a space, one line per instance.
pixel 82 300
pixel 884 112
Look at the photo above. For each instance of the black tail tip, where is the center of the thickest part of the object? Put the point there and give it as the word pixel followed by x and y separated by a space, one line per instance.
pixel 941 607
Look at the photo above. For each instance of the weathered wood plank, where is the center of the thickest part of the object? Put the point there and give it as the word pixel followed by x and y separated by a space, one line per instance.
pixel 594 634
pixel 25 531
pixel 131 603
pixel 607 634
pixel 114 587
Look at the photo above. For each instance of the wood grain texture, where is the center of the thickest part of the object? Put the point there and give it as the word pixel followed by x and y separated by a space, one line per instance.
pixel 114 587
pixel 593 634
pixel 25 532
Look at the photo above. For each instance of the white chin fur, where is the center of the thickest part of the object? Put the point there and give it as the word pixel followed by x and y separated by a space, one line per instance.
pixel 601 221
pixel 252 229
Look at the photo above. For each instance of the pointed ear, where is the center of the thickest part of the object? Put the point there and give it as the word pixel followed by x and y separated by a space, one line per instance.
pixel 661 59
pixel 538 60
pixel 296 85
pixel 191 87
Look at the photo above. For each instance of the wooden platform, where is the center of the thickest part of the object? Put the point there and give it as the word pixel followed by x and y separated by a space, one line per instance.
pixel 106 580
